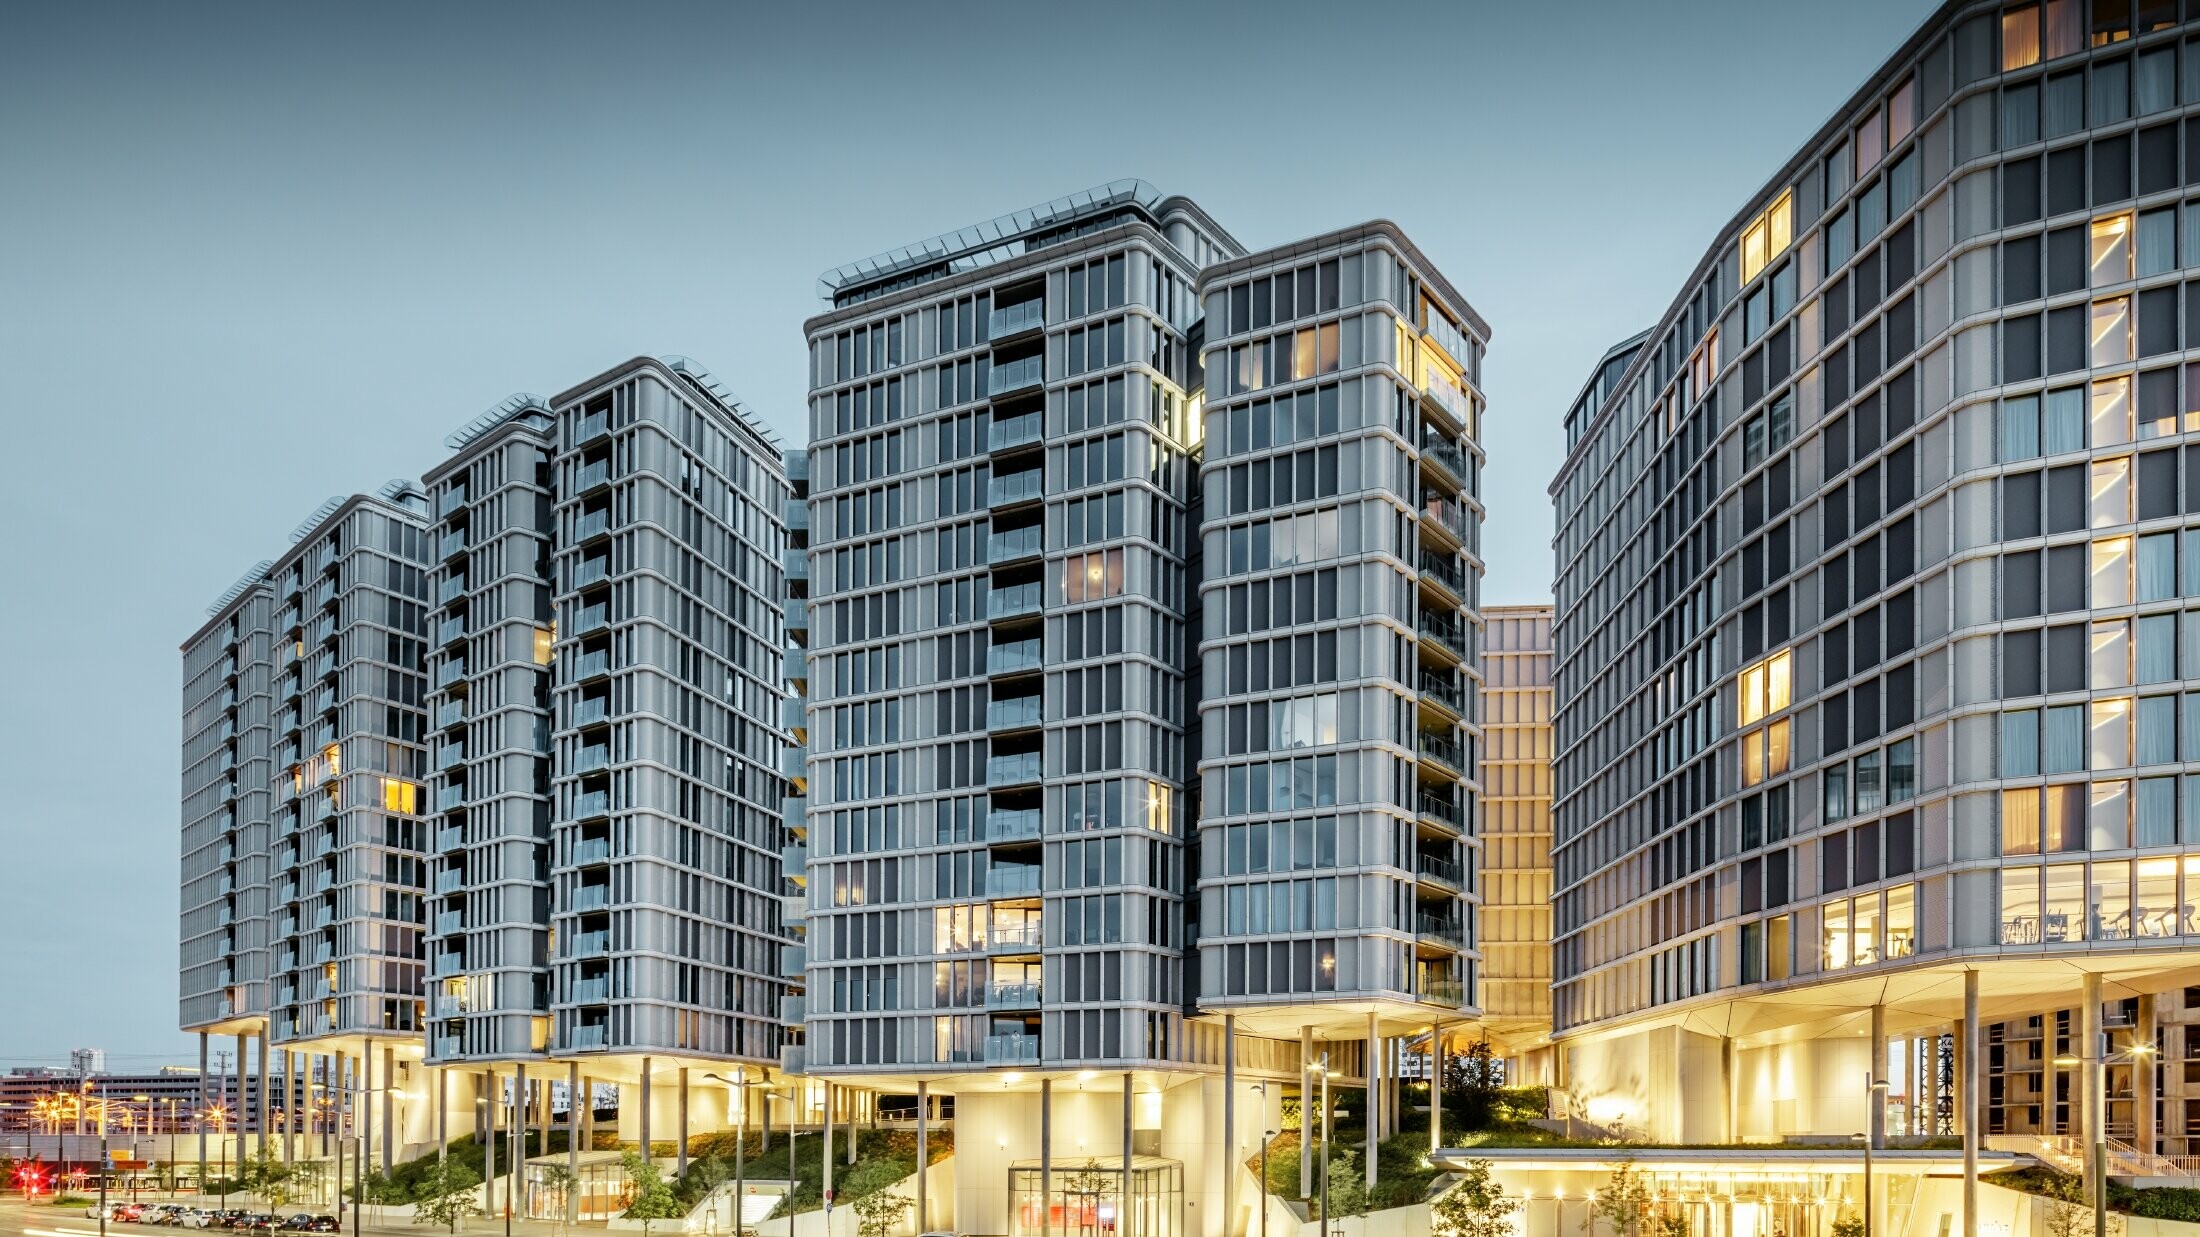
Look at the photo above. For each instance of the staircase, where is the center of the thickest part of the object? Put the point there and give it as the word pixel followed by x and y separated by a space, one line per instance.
pixel 2125 1160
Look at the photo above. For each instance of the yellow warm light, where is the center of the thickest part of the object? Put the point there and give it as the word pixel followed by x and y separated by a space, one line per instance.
pixel 1768 235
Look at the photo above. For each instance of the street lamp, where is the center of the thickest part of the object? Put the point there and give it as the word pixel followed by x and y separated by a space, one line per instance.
pixel 741 1142
pixel 1322 1067
pixel 1265 1135
pixel 1875 1092
pixel 2097 1170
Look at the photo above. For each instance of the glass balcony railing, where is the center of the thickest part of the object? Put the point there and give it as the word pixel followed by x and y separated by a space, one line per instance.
pixel 1011 880
pixel 1441 808
pixel 1015 769
pixel 450 880
pixel 1012 996
pixel 1014 658
pixel 1014 544
pixel 1016 487
pixel 1011 1049
pixel 1017 826
pixel 591 758
pixel 797 613
pixel 450 838
pixel 453 545
pixel 1018 431
pixel 591 427
pixel 450 797
pixel 591 850
pixel 794 859
pixel 450 713
pixel 1434 746
pixel 1447 457
pixel 1445 515
pixel 592 475
pixel 1440 930
pixel 794 960
pixel 450 672
pixel 591 571
pixel 594 618
pixel 1008 320
pixel 588 1036
pixel 450 756
pixel 796 515
pixel 1438 868
pixel 1010 377
pixel 1449 992
pixel 453 588
pixel 1446 630
pixel 594 991
pixel 591 897
pixel 1017 935
pixel 1015 601
pixel 1446 394
pixel 1019 713
pixel 451 630
pixel 449 922
pixel 1445 570
pixel 590 944
pixel 591 665
pixel 591 803
pixel 1446 689
pixel 589 710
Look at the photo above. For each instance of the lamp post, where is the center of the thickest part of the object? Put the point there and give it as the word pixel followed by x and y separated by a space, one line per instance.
pixel 741 1085
pixel 1875 1090
pixel 2097 1175
pixel 103 1158
pixel 1265 1135
pixel 1322 1067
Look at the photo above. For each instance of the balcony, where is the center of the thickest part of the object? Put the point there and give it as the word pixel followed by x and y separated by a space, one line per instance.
pixel 794 910
pixel 593 618
pixel 590 759
pixel 1440 809
pixel 450 880
pixel 593 991
pixel 1009 433
pixel 450 837
pixel 792 1009
pixel 1013 602
pixel 591 897
pixel 1011 1049
pixel 1015 545
pixel 590 804
pixel 592 476
pixel 447 1047
pixel 451 500
pixel 445 965
pixel 450 797
pixel 1009 377
pixel 794 665
pixel 590 710
pixel 1445 396
pixel 1018 713
pixel 1012 996
pixel 1447 992
pixel 1447 463
pixel 796 564
pixel 450 756
pixel 587 1037
pixel 1444 518
pixel 1443 749
pixel 1444 635
pixel 794 861
pixel 1017 826
pixel 1015 937
pixel 592 571
pixel 591 427
pixel 1435 869
pixel 451 630
pixel 795 810
pixel 794 961
pixel 593 524
pixel 453 545
pixel 1447 571
pixel 797 614
pixel 1013 489
pixel 593 665
pixel 1013 769
pixel 449 922
pixel 591 850
pixel 1012 880
pixel 1020 657
pixel 1446 690
pixel 1440 931
pixel 1009 321
pixel 450 713
pixel 451 671
pixel 589 944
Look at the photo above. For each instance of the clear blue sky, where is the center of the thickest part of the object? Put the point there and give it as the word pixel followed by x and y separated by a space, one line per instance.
pixel 252 255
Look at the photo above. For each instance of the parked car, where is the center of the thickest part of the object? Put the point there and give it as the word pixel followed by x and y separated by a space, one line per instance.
pixel 91 1212
pixel 300 1223
pixel 193 1217
pixel 324 1224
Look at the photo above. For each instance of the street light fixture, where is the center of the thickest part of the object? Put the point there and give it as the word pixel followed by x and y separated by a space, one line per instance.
pixel 2097 1170
pixel 1322 1067
pixel 741 1085
pixel 1875 1093
pixel 1265 1135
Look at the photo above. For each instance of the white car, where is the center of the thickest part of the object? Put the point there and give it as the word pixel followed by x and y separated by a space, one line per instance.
pixel 92 1212
pixel 192 1217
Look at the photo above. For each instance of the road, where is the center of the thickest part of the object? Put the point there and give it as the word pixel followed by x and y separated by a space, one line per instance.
pixel 20 1220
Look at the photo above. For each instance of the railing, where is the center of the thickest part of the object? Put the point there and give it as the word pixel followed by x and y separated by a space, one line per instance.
pixel 589 710
pixel 1009 320
pixel 1436 867
pixel 449 755
pixel 1449 458
pixel 1445 569
pixel 592 897
pixel 450 713
pixel 592 991
pixel 591 427
pixel 591 619
pixel 1014 544
pixel 1445 394
pixel 1445 630
pixel 592 665
pixel 1017 431
pixel 449 922
pixel 591 850
pixel 591 803
pixel 592 523
pixel 1441 747
pixel 451 838
pixel 1021 935
pixel 450 880
pixel 451 630
pixel 587 1035
pixel 794 858
pixel 450 672
pixel 1015 601
pixel 1008 881
pixel 1446 688
pixel 1013 376
pixel 450 797
pixel 1012 714
pixel 1444 992
pixel 1016 487
pixel 591 758
pixel 1012 769
pixel 590 570
pixel 795 563
pixel 452 545
pixel 1440 807
pixel 590 944
pixel 1448 931
pixel 1445 514
pixel 1017 826
pixel 1013 658
pixel 1011 1049
pixel 1012 996
pixel 592 475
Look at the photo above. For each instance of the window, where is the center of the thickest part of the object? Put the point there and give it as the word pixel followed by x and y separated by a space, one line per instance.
pixel 1766 687
pixel 1768 235
pixel 2111 331
pixel 2111 412
pixel 2111 261
pixel 1765 753
pixel 2020 37
pixel 400 798
pixel 545 641
pixel 1901 921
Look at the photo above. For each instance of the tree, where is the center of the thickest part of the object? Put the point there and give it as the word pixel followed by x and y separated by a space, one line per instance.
pixel 446 1195
pixel 1477 1206
pixel 1848 1224
pixel 1471 1085
pixel 273 1180
pixel 653 1198
pixel 1347 1185
pixel 559 1181
pixel 881 1212
pixel 1622 1203
pixel 2068 1213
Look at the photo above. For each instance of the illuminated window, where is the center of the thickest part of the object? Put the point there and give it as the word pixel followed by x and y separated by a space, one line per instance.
pixel 1091 577
pixel 1871 143
pixel 2111 331
pixel 2111 497
pixel 2020 37
pixel 2111 262
pixel 1768 235
pixel 1766 687
pixel 1765 753
pixel 1901 112
pixel 1836 952
pixel 546 639
pixel 1158 809
pixel 1901 921
pixel 2020 906
pixel 400 798
pixel 2111 421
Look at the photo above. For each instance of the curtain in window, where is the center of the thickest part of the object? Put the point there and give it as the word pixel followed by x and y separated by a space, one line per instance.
pixel 2189 748
pixel 2158 80
pixel 2158 648
pixel 2065 421
pixel 2157 242
pixel 2157 730
pixel 2154 817
pixel 2020 740
pixel 2020 428
pixel 2065 104
pixel 2063 746
pixel 2158 571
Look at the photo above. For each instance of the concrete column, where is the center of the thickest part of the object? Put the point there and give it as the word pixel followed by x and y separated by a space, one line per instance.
pixel 442 1114
pixel 1229 1124
pixel 1123 1196
pixel 2088 1050
pixel 824 1152
pixel 573 1103
pixel 2146 1073
pixel 1307 1124
pixel 515 1164
pixel 1967 1089
pixel 1875 1113
pixel 1928 1090
pixel 924 1158
pixel 244 1094
pixel 682 1153
pixel 266 1109
pixel 849 1102
pixel 587 1101
pixel 644 1126
pixel 1436 1086
pixel 1046 1157
pixel 366 1101
pixel 486 1133
pixel 1373 1115
pixel 203 1105
pixel 389 1109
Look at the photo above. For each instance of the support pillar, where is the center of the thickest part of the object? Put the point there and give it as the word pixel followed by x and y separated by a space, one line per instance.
pixel 2089 1050
pixel 1230 1157
pixel 681 1162
pixel 1436 1086
pixel 244 1095
pixel 2146 1073
pixel 1373 1115
pixel 1733 1122
pixel 1927 1120
pixel 643 1128
pixel 486 1133
pixel 442 1114
pixel 587 1101
pixel 200 1117
pixel 515 1163
pixel 573 1149
pixel 924 1153
pixel 1046 1157
pixel 1307 1125
pixel 388 1096
pixel 1875 1113
pixel 848 1103
pixel 824 1156
pixel 366 1108
pixel 1123 1196
pixel 266 1109
pixel 1967 1116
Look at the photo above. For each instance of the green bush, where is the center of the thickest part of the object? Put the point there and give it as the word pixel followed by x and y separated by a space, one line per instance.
pixel 2166 1203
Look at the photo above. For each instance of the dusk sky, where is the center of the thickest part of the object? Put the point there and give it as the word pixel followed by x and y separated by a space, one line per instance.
pixel 257 255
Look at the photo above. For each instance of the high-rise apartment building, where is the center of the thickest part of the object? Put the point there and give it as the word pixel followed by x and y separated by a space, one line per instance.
pixel 1871 628
pixel 1515 836
pixel 523 777
pixel 1142 672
